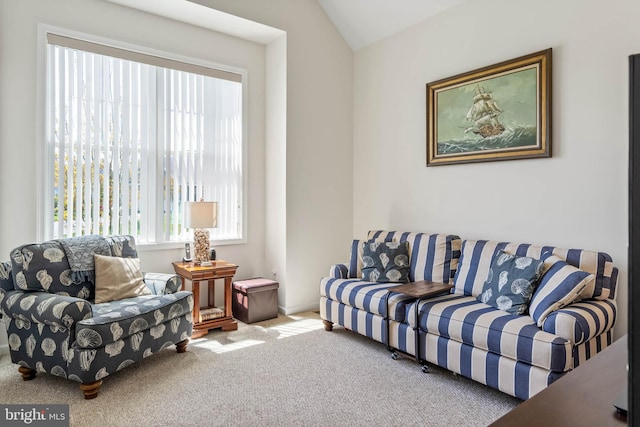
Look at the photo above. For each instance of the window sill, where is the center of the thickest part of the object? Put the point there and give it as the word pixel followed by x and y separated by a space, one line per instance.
pixel 150 247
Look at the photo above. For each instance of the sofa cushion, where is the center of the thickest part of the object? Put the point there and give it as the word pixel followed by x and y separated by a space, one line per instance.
pixel 45 267
pixel 511 282
pixel 560 285
pixel 476 256
pixel 367 296
pixel 116 320
pixel 386 262
pixel 355 260
pixel 432 257
pixel 466 320
pixel 118 278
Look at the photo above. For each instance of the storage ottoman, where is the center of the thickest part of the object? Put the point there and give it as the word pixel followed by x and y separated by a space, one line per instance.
pixel 255 300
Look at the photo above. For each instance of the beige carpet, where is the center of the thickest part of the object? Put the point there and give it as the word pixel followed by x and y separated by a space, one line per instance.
pixel 287 371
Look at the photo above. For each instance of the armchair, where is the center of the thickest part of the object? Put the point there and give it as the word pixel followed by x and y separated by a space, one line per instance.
pixel 54 324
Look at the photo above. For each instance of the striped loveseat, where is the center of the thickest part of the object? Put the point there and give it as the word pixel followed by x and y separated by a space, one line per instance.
pixel 517 354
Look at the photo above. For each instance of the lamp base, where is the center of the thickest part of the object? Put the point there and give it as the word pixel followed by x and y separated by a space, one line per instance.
pixel 201 246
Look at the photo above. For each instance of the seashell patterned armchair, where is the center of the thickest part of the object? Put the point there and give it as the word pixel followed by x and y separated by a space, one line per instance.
pixel 54 324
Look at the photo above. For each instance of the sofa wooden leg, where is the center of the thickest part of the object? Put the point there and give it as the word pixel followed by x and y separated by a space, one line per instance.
pixel 328 326
pixel 90 390
pixel 181 347
pixel 27 373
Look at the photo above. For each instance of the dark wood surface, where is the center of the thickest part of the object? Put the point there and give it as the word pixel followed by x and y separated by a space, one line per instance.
pixel 634 239
pixel 421 288
pixel 219 269
pixel 583 397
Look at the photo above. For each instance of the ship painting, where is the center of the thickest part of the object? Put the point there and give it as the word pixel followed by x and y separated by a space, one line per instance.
pixel 499 112
pixel 484 113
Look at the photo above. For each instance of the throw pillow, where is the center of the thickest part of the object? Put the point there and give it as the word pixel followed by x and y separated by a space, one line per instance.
pixel 560 285
pixel 118 278
pixel 385 262
pixel 510 282
pixel 355 261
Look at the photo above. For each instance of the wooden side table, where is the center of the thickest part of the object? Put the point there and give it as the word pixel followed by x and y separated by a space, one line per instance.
pixel 210 317
pixel 420 290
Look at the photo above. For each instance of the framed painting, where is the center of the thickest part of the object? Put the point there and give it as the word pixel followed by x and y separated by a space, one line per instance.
pixel 500 112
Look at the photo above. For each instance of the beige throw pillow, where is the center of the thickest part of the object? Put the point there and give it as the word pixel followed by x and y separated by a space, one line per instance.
pixel 118 278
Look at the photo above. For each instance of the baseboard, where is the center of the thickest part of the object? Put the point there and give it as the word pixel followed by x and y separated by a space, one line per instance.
pixel 298 309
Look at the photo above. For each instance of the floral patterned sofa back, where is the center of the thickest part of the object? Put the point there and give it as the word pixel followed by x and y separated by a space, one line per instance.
pixel 45 266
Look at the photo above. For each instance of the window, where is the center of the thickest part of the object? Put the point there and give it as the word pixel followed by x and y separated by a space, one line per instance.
pixel 132 137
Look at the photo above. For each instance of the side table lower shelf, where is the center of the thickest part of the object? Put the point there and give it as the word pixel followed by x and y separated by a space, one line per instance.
pixel 419 290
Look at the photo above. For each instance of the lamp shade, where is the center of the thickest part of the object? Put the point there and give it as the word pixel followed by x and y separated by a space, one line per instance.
pixel 201 215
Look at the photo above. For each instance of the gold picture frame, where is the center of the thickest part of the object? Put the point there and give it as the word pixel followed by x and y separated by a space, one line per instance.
pixel 499 112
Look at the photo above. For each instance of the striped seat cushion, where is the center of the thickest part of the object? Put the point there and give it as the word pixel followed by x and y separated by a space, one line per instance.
pixel 468 321
pixel 476 256
pixel 367 296
pixel 432 256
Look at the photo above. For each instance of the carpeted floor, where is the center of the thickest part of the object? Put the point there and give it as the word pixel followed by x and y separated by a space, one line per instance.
pixel 286 371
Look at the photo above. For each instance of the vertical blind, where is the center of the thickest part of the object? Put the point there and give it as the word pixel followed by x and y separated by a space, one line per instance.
pixel 129 142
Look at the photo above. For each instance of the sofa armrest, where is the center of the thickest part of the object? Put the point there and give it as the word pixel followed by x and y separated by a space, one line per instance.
pixel 579 322
pixel 6 280
pixel 339 271
pixel 161 283
pixel 45 308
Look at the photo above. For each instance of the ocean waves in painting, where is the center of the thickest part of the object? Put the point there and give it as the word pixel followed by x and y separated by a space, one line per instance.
pixel 520 136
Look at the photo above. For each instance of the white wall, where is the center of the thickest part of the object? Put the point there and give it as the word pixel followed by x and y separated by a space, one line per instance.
pixel 19 142
pixel 577 198
pixel 276 165
pixel 318 142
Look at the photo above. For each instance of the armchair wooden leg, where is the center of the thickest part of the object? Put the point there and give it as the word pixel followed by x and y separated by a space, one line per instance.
pixel 27 373
pixel 90 390
pixel 181 347
pixel 328 326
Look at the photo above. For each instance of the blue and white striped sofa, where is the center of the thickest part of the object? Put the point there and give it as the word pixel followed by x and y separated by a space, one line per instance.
pixel 508 352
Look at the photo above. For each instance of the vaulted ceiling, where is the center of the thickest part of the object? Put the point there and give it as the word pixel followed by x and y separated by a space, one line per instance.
pixel 362 22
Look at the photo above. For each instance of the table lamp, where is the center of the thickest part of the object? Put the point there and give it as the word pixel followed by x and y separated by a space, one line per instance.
pixel 201 216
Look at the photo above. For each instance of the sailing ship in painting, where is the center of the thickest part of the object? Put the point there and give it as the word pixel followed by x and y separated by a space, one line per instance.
pixel 484 114
pixel 490 131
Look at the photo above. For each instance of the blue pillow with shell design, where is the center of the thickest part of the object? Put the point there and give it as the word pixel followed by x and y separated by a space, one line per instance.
pixel 386 262
pixel 511 282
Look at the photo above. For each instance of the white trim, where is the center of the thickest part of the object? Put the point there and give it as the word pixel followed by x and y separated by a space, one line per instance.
pixel 47 28
pixel 44 173
pixel 42 178
pixel 298 309
pixel 137 56
pixel 162 246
